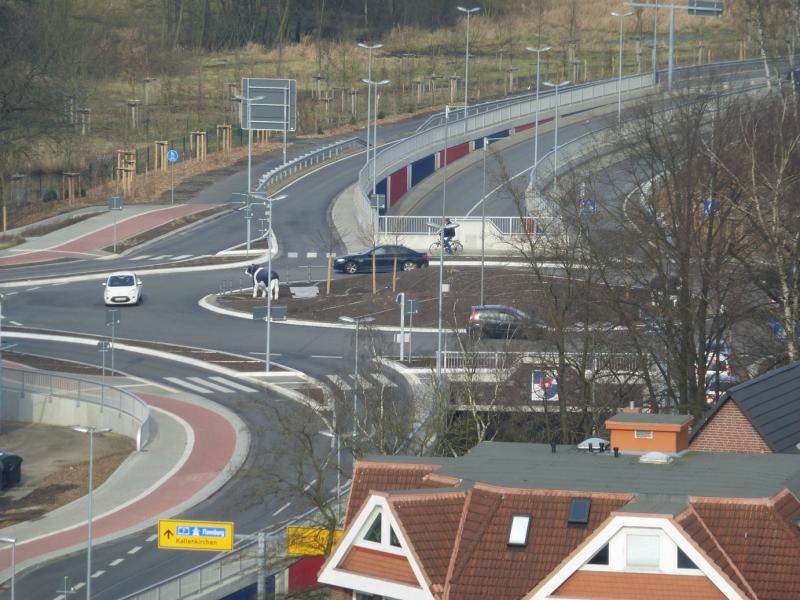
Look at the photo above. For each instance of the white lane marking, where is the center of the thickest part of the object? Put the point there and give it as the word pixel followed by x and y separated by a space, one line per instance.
pixel 291 255
pixel 134 550
pixel 332 490
pixel 232 384
pixel 311 255
pixel 339 382
pixel 10 293
pixel 325 356
pixel 16 323
pixel 214 386
pixel 187 385
pixel 97 574
pixel 281 509
pixel 384 380
pixel 59 597
pixel 162 257
pixel 309 484
pixel 33 289
pixel 182 256
pixel 151 538
pixel 115 562
pixel 142 257
pixel 363 383
pixel 78 586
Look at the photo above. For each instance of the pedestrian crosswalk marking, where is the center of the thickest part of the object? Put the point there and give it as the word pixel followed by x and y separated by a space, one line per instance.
pixel 233 384
pixel 339 382
pixel 364 383
pixel 142 257
pixel 291 255
pixel 186 384
pixel 214 386
pixel 311 255
pixel 384 380
pixel 182 256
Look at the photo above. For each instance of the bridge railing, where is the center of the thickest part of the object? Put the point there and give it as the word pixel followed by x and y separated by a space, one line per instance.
pixel 615 362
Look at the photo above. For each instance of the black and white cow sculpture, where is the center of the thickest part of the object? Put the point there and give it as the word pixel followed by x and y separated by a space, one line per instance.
pixel 264 280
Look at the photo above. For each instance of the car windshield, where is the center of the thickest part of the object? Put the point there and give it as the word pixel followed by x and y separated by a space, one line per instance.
pixel 120 281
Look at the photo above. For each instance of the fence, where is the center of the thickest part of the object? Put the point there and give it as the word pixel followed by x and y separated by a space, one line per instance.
pixel 30 395
pixel 615 363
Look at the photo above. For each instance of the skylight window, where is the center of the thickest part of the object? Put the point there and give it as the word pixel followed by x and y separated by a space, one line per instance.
pixel 518 532
pixel 579 511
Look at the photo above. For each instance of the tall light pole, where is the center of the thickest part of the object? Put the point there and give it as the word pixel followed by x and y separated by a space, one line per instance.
pixel 91 431
pixel 619 79
pixel 369 50
pixel 486 141
pixel 357 321
pixel 536 113
pixel 441 246
pixel 555 142
pixel 13 542
pixel 268 200
pixel 377 84
pixel 248 102
pixel 468 12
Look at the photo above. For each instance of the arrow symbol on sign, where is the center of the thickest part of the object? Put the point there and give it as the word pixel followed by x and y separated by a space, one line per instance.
pixel 168 534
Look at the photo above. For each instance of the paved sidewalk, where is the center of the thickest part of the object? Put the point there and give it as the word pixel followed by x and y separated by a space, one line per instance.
pixel 197 448
pixel 87 238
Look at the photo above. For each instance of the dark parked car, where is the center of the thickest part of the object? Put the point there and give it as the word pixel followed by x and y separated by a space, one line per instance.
pixel 501 321
pixel 407 259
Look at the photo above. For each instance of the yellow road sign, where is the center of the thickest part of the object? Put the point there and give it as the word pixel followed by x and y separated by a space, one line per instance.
pixel 309 541
pixel 195 535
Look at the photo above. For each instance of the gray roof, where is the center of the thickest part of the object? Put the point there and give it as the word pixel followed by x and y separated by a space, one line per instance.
pixel 771 402
pixel 647 418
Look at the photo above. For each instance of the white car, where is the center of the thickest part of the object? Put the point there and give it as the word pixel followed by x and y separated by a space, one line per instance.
pixel 122 288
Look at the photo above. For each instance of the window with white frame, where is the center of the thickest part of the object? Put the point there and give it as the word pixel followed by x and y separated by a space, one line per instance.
pixel 641 434
pixel 380 534
pixel 643 551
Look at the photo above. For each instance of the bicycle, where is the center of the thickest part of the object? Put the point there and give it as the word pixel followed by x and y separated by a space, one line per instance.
pixel 456 247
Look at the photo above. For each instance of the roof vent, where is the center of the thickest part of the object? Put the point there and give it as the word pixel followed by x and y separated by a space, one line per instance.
pixel 655 458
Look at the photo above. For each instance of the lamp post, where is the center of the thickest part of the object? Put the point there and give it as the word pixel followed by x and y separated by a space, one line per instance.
pixel 555 143
pixel 248 101
pixel 357 321
pixel 369 50
pixel 268 200
pixel 13 542
pixel 619 79
pixel 486 141
pixel 91 431
pixel 468 12
pixel 536 113
pixel 441 246
pixel 370 83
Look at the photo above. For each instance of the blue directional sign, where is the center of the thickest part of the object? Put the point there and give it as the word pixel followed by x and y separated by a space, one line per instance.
pixel 710 207
pixel 173 156
pixel 588 207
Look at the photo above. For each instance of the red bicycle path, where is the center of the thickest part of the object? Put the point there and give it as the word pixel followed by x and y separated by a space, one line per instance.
pixel 104 237
pixel 214 447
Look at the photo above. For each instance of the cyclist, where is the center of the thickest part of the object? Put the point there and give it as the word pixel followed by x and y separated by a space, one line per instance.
pixel 448 233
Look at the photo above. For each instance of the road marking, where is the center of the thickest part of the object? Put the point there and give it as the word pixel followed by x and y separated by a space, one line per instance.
pixel 232 384
pixel 187 385
pixel 182 256
pixel 339 382
pixel 135 549
pixel 325 356
pixel 10 293
pixel 311 255
pixel 162 257
pixel 309 484
pixel 16 323
pixel 142 257
pixel 333 490
pixel 291 255
pixel 363 383
pixel 384 380
pixel 59 597
pixel 281 509
pixel 214 386
pixel 152 538
pixel 33 289
pixel 78 586
pixel 97 574
pixel 115 562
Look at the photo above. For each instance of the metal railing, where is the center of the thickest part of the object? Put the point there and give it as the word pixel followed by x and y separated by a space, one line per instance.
pixel 614 363
pixel 306 160
pixel 75 389
pixel 416 225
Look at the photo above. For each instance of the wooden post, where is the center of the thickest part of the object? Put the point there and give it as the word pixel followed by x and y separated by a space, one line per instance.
pixel 374 279
pixel 394 275
pixel 330 274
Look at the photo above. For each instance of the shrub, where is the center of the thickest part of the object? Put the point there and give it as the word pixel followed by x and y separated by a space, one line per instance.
pixel 49 195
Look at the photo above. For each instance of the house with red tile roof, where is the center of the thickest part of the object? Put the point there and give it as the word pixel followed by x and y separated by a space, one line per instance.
pixel 530 521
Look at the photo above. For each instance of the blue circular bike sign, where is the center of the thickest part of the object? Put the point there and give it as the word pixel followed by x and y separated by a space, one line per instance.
pixel 172 156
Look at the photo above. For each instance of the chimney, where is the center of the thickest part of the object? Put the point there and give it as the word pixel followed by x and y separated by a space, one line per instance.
pixel 637 432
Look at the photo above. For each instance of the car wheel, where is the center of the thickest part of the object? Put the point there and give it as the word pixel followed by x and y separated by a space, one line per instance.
pixel 409 265
pixel 350 267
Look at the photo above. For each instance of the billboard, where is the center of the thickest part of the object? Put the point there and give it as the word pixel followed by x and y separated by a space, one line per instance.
pixel 273 106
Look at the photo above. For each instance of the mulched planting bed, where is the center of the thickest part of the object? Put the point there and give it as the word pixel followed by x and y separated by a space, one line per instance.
pixel 353 296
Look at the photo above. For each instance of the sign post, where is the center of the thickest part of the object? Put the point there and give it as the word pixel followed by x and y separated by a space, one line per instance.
pixel 172 157
pixel 112 318
pixel 195 535
pixel 411 308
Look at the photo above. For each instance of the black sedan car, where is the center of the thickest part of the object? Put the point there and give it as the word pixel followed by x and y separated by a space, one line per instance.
pixel 385 256
pixel 501 321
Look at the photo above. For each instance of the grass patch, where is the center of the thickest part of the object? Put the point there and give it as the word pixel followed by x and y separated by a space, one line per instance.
pixel 45 228
pixel 9 241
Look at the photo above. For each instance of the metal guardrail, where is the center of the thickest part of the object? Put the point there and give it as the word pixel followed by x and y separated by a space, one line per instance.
pixel 306 160
pixel 75 389
pixel 416 225
pixel 615 363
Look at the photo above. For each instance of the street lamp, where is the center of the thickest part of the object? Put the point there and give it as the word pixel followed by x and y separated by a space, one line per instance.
pixel 91 431
pixel 357 321
pixel 619 80
pixel 536 114
pixel 486 141
pixel 248 101
pixel 268 200
pixel 13 542
pixel 555 144
pixel 369 49
pixel 441 245
pixel 370 83
pixel 468 12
